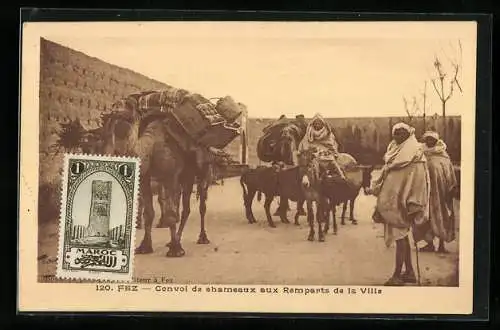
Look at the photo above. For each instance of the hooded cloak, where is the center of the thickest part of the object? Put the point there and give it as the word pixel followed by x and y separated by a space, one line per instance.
pixel 402 189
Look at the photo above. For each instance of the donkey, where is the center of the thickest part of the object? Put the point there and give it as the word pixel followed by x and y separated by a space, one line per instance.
pixel 271 181
pixel 340 192
pixel 309 169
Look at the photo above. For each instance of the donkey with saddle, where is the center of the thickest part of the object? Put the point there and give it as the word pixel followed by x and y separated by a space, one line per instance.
pixel 322 176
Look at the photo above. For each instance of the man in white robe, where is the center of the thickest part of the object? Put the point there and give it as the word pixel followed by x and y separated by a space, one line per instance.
pixel 402 192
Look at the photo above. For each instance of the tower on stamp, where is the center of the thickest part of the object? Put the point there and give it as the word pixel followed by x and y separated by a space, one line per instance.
pixel 98 228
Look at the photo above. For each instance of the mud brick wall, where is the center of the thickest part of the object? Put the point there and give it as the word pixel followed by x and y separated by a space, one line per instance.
pixel 75 85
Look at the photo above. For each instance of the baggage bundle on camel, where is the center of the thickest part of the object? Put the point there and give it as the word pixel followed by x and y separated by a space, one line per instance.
pixel 270 146
pixel 229 109
pixel 191 119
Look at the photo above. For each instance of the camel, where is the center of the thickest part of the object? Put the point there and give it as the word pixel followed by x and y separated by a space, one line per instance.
pixel 174 169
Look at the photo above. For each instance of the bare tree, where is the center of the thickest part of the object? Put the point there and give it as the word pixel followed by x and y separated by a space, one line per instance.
pixel 444 84
pixel 411 110
pixel 415 109
pixel 424 104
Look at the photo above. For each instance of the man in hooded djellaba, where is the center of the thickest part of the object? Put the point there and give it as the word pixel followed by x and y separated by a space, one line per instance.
pixel 443 184
pixel 402 192
pixel 319 137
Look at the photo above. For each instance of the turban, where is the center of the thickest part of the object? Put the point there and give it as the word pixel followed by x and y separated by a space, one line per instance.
pixel 431 134
pixel 404 126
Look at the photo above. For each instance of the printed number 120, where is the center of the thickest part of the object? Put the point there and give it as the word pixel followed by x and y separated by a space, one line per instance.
pixel 102 287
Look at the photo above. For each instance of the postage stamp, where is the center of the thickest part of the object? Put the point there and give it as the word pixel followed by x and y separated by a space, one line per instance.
pixel 98 208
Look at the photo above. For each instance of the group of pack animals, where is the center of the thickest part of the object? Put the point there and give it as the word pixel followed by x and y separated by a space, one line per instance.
pixel 304 182
pixel 176 171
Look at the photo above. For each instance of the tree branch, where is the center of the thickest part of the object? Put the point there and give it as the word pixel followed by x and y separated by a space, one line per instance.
pixel 455 78
pixel 406 108
pixel 454 81
pixel 436 89
pixel 451 91
pixel 458 85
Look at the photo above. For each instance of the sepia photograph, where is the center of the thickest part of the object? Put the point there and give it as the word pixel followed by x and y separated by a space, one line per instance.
pixel 296 155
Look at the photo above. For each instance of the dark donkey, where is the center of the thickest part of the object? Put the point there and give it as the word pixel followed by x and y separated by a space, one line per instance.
pixel 338 191
pixel 271 181
pixel 309 166
pixel 299 183
pixel 278 146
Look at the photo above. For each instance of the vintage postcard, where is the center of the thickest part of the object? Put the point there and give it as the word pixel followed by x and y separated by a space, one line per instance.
pixel 257 167
pixel 98 212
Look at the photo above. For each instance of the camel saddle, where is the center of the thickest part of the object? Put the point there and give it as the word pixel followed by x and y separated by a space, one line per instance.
pixel 191 119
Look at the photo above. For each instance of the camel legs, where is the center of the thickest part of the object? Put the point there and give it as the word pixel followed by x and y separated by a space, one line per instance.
pixel 161 201
pixel 187 190
pixel 140 214
pixel 147 204
pixel 171 215
pixel 203 186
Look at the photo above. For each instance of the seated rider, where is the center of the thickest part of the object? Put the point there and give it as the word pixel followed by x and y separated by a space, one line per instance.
pixel 320 137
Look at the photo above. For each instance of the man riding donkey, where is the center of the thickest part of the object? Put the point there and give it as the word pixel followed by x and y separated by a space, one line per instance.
pixel 320 138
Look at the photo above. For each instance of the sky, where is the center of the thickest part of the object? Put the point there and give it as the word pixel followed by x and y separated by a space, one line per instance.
pixel 335 69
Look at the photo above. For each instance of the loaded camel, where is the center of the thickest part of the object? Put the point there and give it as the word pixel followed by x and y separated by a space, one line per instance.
pixel 172 168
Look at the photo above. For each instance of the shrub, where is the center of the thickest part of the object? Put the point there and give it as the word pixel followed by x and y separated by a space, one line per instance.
pixel 49 200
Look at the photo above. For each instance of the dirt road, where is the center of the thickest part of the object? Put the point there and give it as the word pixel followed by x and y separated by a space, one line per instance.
pixel 240 253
